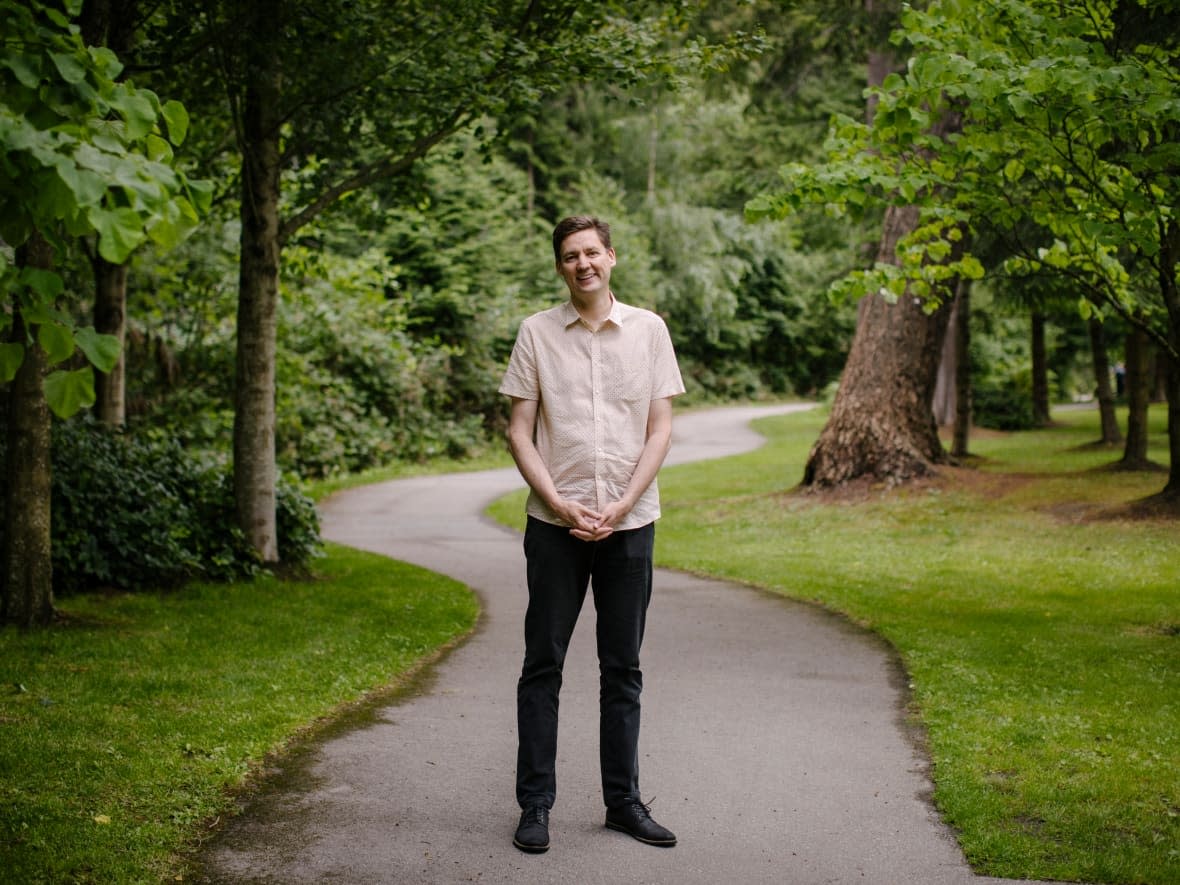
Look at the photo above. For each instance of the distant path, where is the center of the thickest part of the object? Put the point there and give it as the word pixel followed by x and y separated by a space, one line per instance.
pixel 773 733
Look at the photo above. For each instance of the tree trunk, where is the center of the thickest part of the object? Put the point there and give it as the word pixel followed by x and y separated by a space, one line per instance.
pixel 1138 396
pixel 1040 372
pixel 1111 435
pixel 943 404
pixel 1169 262
pixel 110 301
pixel 881 424
pixel 962 370
pixel 1172 489
pixel 254 388
pixel 110 23
pixel 27 591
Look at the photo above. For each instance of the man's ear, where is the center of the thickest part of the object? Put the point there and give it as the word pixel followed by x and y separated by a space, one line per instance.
pixel 611 255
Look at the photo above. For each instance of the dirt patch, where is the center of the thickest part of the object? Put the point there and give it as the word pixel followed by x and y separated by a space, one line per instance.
pixel 989 485
pixel 946 478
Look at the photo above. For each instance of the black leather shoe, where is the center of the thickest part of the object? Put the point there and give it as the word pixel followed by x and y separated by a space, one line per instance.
pixel 532 833
pixel 634 819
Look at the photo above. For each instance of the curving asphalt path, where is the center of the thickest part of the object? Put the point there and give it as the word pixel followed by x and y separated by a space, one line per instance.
pixel 774 739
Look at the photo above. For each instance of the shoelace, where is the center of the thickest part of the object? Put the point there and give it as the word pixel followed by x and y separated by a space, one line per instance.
pixel 538 814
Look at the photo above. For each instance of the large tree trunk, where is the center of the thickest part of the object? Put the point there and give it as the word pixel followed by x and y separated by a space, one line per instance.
pixel 881 424
pixel 1138 396
pixel 1111 435
pixel 110 302
pixel 258 280
pixel 962 329
pixel 1040 372
pixel 26 596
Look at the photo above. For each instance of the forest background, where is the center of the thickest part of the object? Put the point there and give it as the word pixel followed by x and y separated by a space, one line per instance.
pixel 355 240
pixel 341 215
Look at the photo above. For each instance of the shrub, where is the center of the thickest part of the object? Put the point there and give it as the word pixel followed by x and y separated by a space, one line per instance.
pixel 135 514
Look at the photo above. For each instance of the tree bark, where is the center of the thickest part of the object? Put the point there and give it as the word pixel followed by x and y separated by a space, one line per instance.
pixel 1111 434
pixel 254 389
pixel 945 389
pixel 962 371
pixel 1138 396
pixel 27 591
pixel 1040 372
pixel 110 302
pixel 1169 263
pixel 110 23
pixel 881 424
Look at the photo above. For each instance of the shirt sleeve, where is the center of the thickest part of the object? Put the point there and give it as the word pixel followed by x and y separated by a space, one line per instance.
pixel 520 378
pixel 666 380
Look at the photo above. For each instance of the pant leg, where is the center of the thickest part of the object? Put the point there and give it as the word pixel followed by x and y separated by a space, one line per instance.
pixel 622 581
pixel 558 570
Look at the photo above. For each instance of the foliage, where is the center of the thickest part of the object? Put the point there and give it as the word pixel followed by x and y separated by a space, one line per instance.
pixel 1069 114
pixel 134 514
pixel 84 155
pixel 128 728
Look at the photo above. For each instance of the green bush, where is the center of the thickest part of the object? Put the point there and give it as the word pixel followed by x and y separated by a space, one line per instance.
pixel 1002 406
pixel 135 514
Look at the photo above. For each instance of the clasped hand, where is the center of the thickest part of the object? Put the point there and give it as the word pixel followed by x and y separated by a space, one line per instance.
pixel 590 525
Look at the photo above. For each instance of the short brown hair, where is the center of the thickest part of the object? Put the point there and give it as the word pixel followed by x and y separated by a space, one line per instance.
pixel 575 223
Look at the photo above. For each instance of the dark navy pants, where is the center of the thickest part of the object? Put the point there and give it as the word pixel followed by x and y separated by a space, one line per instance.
pixel 560 568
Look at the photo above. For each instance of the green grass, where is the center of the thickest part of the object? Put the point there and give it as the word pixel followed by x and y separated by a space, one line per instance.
pixel 125 730
pixel 1043 649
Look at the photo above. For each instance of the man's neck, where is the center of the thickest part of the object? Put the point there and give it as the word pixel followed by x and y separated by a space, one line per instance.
pixel 595 309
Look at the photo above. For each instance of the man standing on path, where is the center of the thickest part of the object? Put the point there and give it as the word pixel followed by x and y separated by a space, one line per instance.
pixel 591 383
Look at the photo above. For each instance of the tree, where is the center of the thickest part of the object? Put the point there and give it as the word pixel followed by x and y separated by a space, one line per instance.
pixel 110 23
pixel 1071 116
pixel 84 155
pixel 404 78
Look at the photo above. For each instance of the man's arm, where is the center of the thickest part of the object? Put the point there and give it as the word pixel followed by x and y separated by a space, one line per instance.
pixel 522 420
pixel 655 449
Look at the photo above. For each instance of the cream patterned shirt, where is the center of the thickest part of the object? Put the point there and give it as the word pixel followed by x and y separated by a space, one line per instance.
pixel 593 391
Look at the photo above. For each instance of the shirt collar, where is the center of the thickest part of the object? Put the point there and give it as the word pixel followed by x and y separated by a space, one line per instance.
pixel 570 315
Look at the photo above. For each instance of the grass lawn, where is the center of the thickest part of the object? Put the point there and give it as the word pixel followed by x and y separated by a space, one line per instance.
pixel 124 730
pixel 1043 645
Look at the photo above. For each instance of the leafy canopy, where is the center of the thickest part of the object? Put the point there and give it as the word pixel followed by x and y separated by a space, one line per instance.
pixel 1067 148
pixel 84 154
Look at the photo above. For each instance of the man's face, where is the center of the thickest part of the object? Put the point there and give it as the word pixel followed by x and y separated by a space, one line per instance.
pixel 585 264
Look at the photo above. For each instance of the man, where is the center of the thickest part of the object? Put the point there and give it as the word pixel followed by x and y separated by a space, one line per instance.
pixel 591 383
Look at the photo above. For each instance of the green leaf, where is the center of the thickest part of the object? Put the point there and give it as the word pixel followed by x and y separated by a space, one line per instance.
pixel 138 112
pixel 102 350
pixel 67 392
pixel 57 341
pixel 47 284
pixel 12 354
pixel 176 119
pixel 71 70
pixel 158 150
pixel 27 69
pixel 120 231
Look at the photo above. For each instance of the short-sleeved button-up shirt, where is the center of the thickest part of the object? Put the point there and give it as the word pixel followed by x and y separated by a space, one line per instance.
pixel 593 391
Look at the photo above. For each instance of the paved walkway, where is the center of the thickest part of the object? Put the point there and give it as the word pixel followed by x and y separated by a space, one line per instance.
pixel 774 740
